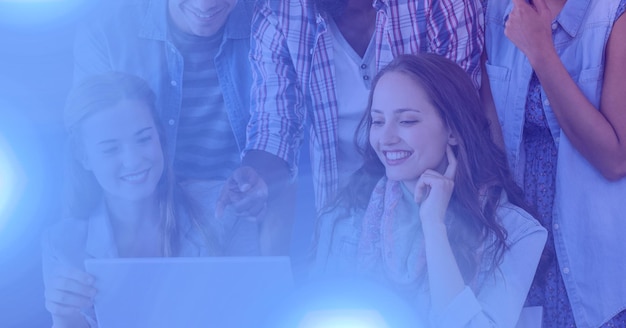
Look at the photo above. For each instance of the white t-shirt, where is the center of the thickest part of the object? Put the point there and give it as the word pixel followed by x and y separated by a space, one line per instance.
pixel 353 76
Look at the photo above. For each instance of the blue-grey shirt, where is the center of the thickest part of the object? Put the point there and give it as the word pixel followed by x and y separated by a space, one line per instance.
pixel 589 216
pixel 495 301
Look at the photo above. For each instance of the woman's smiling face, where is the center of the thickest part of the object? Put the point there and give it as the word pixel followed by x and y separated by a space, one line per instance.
pixel 121 147
pixel 407 132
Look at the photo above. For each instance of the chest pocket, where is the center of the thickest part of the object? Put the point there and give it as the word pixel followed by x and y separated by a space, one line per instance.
pixel 590 83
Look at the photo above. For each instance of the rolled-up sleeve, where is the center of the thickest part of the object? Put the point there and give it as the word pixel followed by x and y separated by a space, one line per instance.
pixel 277 102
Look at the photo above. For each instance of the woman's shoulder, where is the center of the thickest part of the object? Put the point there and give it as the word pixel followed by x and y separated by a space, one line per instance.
pixel 517 222
pixel 66 231
pixel 65 241
pixel 69 236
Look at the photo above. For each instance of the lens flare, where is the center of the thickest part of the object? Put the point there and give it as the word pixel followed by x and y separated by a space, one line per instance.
pixel 10 181
pixel 349 318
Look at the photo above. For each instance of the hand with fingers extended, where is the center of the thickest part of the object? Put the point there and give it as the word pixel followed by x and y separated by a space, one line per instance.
pixel 529 27
pixel 433 191
pixel 246 191
pixel 68 291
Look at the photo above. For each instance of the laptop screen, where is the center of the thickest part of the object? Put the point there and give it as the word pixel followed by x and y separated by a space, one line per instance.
pixel 189 292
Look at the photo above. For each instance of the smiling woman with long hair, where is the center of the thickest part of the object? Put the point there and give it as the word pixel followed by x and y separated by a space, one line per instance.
pixel 122 197
pixel 433 213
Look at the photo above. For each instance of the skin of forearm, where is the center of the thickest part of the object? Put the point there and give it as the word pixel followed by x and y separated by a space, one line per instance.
pixel 444 276
pixel 586 127
pixel 274 170
pixel 275 230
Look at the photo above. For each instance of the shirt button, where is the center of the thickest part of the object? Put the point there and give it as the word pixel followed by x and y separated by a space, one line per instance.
pixel 546 102
pixel 171 122
pixel 555 25
pixel 363 66
pixel 173 83
pixel 366 77
pixel 566 270
pixel 556 226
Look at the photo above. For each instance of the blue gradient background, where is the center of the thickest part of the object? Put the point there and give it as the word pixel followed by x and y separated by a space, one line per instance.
pixel 36 41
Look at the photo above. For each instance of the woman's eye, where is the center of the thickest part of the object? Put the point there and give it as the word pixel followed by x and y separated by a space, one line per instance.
pixel 145 139
pixel 408 122
pixel 377 122
pixel 110 150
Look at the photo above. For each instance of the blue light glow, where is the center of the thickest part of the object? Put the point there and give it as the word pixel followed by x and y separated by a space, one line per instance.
pixel 353 318
pixel 28 13
pixel 11 182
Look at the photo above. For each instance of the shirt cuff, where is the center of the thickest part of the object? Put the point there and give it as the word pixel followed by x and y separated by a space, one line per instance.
pixel 459 312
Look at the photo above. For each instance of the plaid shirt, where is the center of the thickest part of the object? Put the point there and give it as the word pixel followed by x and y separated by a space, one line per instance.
pixel 293 70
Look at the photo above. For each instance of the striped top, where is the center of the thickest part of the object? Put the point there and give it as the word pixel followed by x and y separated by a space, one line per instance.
pixel 205 147
pixel 294 70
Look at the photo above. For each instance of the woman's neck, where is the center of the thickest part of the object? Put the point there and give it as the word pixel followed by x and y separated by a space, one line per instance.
pixel 133 213
pixel 555 7
pixel 136 226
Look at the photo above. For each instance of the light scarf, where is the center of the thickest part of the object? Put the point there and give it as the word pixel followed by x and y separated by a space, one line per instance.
pixel 401 258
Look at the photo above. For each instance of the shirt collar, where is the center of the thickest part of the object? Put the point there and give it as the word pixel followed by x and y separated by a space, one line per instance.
pixel 572 14
pixel 155 22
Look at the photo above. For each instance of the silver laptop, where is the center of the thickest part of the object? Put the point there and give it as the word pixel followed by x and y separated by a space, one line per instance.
pixel 229 292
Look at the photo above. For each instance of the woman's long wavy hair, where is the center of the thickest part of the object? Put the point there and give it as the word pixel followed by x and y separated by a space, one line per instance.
pixel 482 172
pixel 83 193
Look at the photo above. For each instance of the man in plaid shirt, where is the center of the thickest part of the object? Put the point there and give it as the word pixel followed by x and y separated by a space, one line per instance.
pixel 314 60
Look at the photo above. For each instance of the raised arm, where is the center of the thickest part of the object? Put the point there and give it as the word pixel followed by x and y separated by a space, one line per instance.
pixel 277 103
pixel 599 134
pixel 500 299
pixel 275 129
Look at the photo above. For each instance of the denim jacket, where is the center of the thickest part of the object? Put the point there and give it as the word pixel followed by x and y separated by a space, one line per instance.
pixel 495 300
pixel 134 38
pixel 589 213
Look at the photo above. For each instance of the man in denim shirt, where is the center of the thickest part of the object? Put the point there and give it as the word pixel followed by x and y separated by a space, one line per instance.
pixel 194 54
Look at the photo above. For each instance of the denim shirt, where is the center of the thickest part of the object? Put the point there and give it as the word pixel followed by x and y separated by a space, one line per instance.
pixel 134 38
pixel 495 300
pixel 589 211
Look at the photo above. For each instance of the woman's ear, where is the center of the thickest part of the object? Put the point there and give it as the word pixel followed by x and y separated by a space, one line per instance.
pixel 452 140
pixel 85 163
pixel 81 157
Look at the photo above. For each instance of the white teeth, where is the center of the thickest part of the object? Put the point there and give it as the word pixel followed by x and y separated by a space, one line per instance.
pixel 206 16
pixel 203 16
pixel 396 155
pixel 135 177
